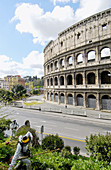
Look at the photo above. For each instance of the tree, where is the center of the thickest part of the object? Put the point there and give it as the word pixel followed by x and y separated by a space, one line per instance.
pixel 18 91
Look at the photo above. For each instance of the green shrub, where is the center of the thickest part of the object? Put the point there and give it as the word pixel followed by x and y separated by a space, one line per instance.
pixel 5 152
pixel 76 150
pixel 68 148
pixel 52 142
pixel 99 146
pixel 4 125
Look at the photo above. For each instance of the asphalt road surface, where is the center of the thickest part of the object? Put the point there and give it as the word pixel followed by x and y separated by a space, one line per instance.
pixel 73 130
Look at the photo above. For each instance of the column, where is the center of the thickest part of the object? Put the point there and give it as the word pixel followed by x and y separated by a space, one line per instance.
pixel 65 97
pixel 98 55
pixel 74 99
pixel 85 58
pixel 85 100
pixel 98 78
pixel 98 101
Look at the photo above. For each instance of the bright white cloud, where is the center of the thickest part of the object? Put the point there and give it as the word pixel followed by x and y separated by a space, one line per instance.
pixel 91 7
pixel 46 26
pixel 32 65
pixel 43 26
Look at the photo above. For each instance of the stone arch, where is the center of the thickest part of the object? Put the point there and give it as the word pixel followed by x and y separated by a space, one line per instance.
pixel 79 58
pixel 91 55
pixel 106 102
pixel 79 79
pixel 47 82
pixel 51 81
pixel 48 68
pixel 56 81
pixel 51 96
pixel 105 53
pixel 105 77
pixel 48 96
pixel 69 80
pixel 51 66
pixel 91 78
pixel 91 101
pixel 62 80
pixel 62 98
pixel 79 100
pixel 70 61
pixel 70 99
pixel 56 65
pixel 56 97
pixel 62 63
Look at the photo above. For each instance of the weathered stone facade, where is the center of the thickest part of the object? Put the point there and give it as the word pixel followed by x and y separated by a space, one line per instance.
pixel 77 65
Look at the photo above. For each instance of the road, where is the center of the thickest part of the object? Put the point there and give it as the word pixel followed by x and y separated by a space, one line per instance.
pixel 73 130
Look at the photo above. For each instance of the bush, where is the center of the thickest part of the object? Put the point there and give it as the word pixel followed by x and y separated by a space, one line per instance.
pixel 52 142
pixel 76 150
pixel 68 148
pixel 4 125
pixel 99 146
pixel 5 152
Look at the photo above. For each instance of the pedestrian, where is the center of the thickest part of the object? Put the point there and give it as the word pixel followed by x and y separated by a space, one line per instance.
pixel 14 126
pixel 22 150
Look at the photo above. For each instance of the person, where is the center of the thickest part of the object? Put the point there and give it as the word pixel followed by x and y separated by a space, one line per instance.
pixel 22 150
pixel 14 126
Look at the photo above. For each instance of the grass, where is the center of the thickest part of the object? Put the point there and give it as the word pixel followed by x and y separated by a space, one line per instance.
pixel 32 103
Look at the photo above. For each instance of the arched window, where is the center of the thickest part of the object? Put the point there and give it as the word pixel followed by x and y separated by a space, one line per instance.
pixel 51 66
pixel 79 100
pixel 62 63
pixel 56 65
pixel 56 81
pixel 105 77
pixel 79 58
pixel 48 68
pixel 105 53
pixel 70 99
pixel 91 56
pixel 79 79
pixel 62 98
pixel 69 80
pixel 70 61
pixel 51 81
pixel 91 78
pixel 61 80
pixel 47 82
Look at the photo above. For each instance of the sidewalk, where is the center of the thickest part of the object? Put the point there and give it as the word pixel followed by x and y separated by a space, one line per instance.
pixel 69 111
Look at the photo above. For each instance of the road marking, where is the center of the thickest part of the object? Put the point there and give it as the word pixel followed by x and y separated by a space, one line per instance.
pixel 65 137
pixel 71 128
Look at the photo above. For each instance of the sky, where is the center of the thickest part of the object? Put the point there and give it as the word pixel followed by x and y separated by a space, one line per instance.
pixel 26 27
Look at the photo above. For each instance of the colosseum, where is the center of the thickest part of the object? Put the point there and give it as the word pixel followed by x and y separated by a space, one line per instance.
pixel 77 65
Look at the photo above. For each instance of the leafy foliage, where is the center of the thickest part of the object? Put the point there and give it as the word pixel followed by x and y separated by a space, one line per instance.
pixel 5 95
pixel 18 91
pixel 52 142
pixel 4 125
pixel 99 146
pixel 76 150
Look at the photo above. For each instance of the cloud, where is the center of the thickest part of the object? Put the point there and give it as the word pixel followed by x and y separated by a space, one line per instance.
pixel 88 8
pixel 61 1
pixel 31 65
pixel 43 26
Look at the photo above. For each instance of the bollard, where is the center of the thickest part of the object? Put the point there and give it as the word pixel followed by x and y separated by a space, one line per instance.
pixel 99 116
pixel 42 130
pixel 85 113
pixel 72 112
